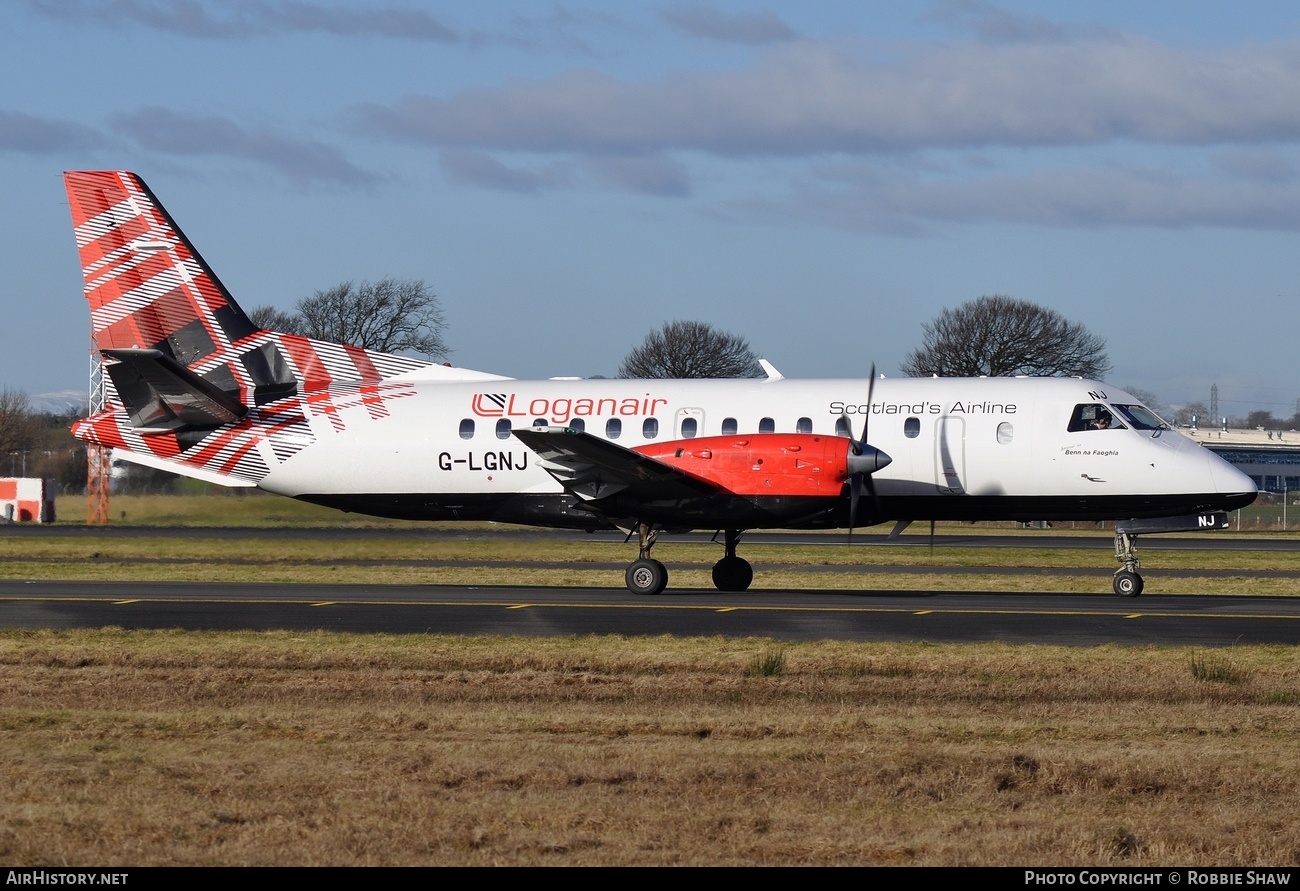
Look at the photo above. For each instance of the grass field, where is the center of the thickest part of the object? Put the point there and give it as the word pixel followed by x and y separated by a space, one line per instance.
pixel 141 748
pixel 456 560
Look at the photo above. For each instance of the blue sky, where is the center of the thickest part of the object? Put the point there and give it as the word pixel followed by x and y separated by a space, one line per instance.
pixel 821 178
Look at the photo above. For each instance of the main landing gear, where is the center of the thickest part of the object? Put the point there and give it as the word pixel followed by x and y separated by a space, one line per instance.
pixel 648 576
pixel 732 573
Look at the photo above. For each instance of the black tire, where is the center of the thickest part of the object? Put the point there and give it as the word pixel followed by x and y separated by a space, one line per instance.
pixel 646 577
pixel 1127 584
pixel 732 574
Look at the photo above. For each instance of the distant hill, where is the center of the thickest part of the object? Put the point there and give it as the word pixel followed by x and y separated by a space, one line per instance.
pixel 59 402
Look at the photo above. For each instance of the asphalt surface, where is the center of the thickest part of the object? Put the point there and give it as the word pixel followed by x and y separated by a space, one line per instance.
pixel 1067 619
pixel 851 615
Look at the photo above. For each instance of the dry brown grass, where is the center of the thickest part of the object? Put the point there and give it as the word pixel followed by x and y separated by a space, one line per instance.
pixel 139 748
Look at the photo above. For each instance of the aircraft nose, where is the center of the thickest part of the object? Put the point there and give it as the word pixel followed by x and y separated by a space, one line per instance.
pixel 1234 488
pixel 1228 480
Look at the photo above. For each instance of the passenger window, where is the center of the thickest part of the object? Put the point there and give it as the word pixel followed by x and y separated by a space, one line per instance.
pixel 803 425
pixel 729 426
pixel 767 425
pixel 467 428
pixel 540 422
pixel 650 428
pixel 613 428
pixel 912 428
pixel 843 427
pixel 577 424
pixel 1005 432
pixel 689 428
pixel 503 428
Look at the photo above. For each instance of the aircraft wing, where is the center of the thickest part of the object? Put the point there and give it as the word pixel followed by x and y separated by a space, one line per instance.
pixel 594 469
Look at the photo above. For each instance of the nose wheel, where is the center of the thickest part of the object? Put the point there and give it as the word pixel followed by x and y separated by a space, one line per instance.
pixel 1127 584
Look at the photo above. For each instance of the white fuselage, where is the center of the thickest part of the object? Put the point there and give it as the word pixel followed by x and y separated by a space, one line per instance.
pixel 960 447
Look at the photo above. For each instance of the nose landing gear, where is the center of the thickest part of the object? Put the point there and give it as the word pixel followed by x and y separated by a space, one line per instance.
pixel 1127 581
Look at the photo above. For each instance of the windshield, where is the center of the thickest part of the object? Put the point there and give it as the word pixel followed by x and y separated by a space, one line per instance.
pixel 1093 416
pixel 1141 417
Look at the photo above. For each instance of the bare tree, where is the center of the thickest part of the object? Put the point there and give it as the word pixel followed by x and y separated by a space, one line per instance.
pixel 19 425
pixel 1151 401
pixel 391 316
pixel 690 350
pixel 998 335
pixel 268 318
pixel 1193 412
pixel 1261 418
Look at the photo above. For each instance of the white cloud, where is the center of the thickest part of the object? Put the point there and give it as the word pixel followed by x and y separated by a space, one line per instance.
pixel 250 18
pixel 1219 121
pixel 35 135
pixel 299 159
pixel 645 175
pixel 810 98
pixel 1056 198
pixel 701 20
pixel 483 170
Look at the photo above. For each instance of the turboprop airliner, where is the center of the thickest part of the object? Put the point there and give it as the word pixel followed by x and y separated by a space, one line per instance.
pixel 198 389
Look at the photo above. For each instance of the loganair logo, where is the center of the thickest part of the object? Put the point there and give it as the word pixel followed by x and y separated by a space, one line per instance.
pixel 489 405
pixel 559 410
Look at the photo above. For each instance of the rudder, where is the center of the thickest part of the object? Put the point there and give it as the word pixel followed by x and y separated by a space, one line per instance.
pixel 147 286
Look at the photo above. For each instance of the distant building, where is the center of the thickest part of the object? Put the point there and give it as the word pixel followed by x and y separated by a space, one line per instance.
pixel 1269 457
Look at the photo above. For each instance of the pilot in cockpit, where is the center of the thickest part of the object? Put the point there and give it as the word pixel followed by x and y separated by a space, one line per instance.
pixel 1093 416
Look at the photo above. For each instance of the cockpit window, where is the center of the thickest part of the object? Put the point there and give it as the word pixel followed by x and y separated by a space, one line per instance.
pixel 1093 416
pixel 1141 418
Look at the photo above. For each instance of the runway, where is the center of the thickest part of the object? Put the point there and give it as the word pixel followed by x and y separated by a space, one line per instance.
pixel 1084 539
pixel 854 615
pixel 795 615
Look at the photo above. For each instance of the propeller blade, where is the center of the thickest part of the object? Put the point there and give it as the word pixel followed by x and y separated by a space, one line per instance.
pixel 864 459
pixel 871 389
pixel 855 492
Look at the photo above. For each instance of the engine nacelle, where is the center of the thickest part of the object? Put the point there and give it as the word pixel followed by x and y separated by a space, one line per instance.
pixel 758 464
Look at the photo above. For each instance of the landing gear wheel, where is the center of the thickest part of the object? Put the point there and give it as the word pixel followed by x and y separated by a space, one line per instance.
pixel 647 577
pixel 1127 584
pixel 732 574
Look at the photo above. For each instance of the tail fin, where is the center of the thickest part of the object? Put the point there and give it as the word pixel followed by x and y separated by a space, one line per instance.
pixel 150 290
pixel 199 389
pixel 197 383
pixel 147 286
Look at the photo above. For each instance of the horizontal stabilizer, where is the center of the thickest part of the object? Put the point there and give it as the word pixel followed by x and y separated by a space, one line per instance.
pixel 160 394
